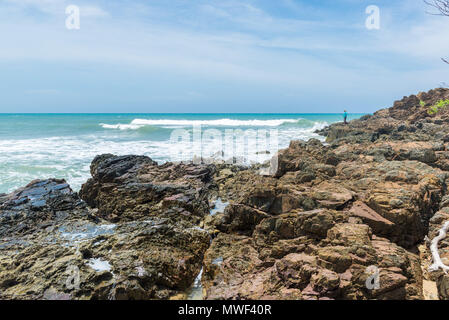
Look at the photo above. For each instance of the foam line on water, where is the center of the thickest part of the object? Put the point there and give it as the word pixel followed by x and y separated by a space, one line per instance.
pixel 139 123
pixel 69 157
pixel 121 126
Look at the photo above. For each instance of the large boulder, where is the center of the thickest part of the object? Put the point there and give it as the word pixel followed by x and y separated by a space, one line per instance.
pixel 52 246
pixel 321 254
pixel 406 193
pixel 129 188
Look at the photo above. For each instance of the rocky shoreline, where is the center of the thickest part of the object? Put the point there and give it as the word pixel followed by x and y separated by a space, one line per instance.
pixel 327 218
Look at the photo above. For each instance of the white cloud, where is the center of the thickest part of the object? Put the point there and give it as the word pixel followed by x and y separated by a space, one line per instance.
pixel 92 11
pixel 45 6
pixel 249 46
pixel 425 40
pixel 56 7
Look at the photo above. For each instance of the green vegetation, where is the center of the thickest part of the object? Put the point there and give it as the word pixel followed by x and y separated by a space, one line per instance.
pixel 422 103
pixel 442 104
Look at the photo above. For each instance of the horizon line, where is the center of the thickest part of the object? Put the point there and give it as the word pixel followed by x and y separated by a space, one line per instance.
pixel 177 113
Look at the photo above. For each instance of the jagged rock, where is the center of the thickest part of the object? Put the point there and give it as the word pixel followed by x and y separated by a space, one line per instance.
pixel 129 188
pixel 38 205
pixel 379 224
pixel 407 193
pixel 312 226
pixel 406 120
pixel 443 287
pixel 318 255
pixel 241 218
pixel 376 186
pixel 53 247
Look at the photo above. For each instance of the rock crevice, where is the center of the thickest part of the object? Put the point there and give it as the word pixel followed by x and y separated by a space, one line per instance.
pixel 330 216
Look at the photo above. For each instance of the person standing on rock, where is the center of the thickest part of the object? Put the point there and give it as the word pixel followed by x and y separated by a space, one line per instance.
pixel 345 116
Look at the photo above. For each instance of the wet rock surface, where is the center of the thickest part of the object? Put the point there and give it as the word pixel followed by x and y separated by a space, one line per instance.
pixel 53 246
pixel 130 188
pixel 325 221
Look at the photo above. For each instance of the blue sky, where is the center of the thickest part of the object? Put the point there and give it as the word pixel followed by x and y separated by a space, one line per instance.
pixel 217 55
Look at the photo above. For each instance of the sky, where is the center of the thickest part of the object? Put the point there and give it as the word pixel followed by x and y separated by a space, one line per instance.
pixel 217 56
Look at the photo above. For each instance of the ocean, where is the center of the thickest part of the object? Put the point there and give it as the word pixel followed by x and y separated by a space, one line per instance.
pixel 40 146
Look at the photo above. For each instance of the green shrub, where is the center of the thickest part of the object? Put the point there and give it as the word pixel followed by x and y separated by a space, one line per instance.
pixel 442 104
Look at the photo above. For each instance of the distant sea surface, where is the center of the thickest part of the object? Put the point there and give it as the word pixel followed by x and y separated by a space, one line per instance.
pixel 40 146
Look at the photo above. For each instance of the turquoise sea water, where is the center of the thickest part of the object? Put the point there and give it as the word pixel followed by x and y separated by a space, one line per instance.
pixel 38 146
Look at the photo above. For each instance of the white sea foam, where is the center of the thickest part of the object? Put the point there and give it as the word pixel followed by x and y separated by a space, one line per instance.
pixel 220 206
pixel 99 265
pixel 23 160
pixel 139 123
pixel 196 291
pixel 121 126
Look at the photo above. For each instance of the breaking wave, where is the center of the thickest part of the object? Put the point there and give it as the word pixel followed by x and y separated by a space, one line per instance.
pixel 139 123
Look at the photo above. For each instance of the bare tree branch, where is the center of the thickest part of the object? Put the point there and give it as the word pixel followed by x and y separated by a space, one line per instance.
pixel 443 8
pixel 441 5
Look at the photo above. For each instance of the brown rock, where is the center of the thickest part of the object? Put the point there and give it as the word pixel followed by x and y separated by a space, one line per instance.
pixel 378 224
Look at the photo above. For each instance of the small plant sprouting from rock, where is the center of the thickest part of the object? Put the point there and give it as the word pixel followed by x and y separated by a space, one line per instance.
pixel 442 104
